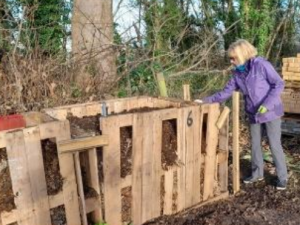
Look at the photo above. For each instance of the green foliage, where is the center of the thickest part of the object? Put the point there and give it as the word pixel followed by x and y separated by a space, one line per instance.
pixel 75 91
pixel 45 24
pixel 258 22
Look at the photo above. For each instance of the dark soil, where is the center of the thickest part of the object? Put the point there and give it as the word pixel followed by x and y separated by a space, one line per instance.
pixel 84 126
pixel 126 151
pixel 142 110
pixel 88 191
pixel 169 144
pixel 54 180
pixel 126 204
pixel 58 215
pixel 6 192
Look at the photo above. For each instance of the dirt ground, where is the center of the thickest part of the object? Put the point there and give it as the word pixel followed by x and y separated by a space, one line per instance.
pixel 255 204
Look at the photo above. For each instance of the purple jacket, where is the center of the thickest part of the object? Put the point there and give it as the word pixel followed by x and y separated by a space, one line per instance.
pixel 261 85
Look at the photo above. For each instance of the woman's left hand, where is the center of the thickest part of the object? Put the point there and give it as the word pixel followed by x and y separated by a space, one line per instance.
pixel 262 109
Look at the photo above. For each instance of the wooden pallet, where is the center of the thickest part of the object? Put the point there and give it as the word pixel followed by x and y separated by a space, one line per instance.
pixel 28 178
pixel 193 122
pixel 291 101
pixel 90 155
pixel 291 70
pixel 147 171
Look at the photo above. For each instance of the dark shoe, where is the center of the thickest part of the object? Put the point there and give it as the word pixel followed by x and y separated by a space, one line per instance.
pixel 281 185
pixel 250 180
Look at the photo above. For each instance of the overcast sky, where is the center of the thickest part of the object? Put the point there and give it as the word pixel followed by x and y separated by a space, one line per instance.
pixel 125 17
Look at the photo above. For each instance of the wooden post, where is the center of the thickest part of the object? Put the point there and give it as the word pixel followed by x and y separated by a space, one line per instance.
pixel 80 188
pixel 235 142
pixel 186 92
pixel 223 117
pixel 162 85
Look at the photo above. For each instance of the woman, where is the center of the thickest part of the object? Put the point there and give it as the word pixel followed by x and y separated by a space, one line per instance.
pixel 261 85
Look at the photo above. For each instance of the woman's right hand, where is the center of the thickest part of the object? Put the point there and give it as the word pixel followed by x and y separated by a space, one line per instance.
pixel 199 101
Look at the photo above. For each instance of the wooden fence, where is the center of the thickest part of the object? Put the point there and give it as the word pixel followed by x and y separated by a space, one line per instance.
pixel 199 173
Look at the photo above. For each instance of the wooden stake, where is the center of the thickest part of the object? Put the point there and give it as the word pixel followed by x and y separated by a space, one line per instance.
pixel 223 117
pixel 162 85
pixel 235 142
pixel 80 188
pixel 186 92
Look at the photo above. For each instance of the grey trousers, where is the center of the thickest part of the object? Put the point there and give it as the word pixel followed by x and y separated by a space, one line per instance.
pixel 273 129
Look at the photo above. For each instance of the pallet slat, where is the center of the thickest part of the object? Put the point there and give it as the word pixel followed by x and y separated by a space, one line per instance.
pixel 37 175
pixel 147 162
pixel 210 158
pixel 137 144
pixel 18 166
pixel 82 143
pixel 156 164
pixel 111 168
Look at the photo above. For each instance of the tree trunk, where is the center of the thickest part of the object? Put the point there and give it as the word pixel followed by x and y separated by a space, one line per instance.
pixel 92 41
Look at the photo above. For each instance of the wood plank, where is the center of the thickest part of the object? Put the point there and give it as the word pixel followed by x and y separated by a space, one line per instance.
pixel 145 102
pixel 181 139
pixel 78 111
pixel 235 141
pixel 156 164
pixel 190 121
pixel 94 183
pixel 37 175
pixel 205 108
pixel 80 189
pixel 60 114
pixel 126 182
pixel 80 144
pixel 223 156
pixel 120 106
pixel 137 144
pixel 186 92
pixel 224 115
pixel 93 109
pixel 211 150
pixel 168 198
pixel 93 204
pixel 61 131
pixel 18 167
pixel 169 114
pixel 56 200
pixel 147 161
pixel 197 154
pixel 2 139
pixel 127 120
pixel 112 168
pixel 9 217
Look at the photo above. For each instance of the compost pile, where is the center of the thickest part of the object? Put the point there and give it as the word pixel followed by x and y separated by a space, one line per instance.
pixel 258 203
pixel 6 193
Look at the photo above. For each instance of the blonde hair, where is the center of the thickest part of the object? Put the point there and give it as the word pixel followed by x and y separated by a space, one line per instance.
pixel 242 50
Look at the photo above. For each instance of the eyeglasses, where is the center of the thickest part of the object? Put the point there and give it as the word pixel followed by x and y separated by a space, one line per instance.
pixel 232 58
